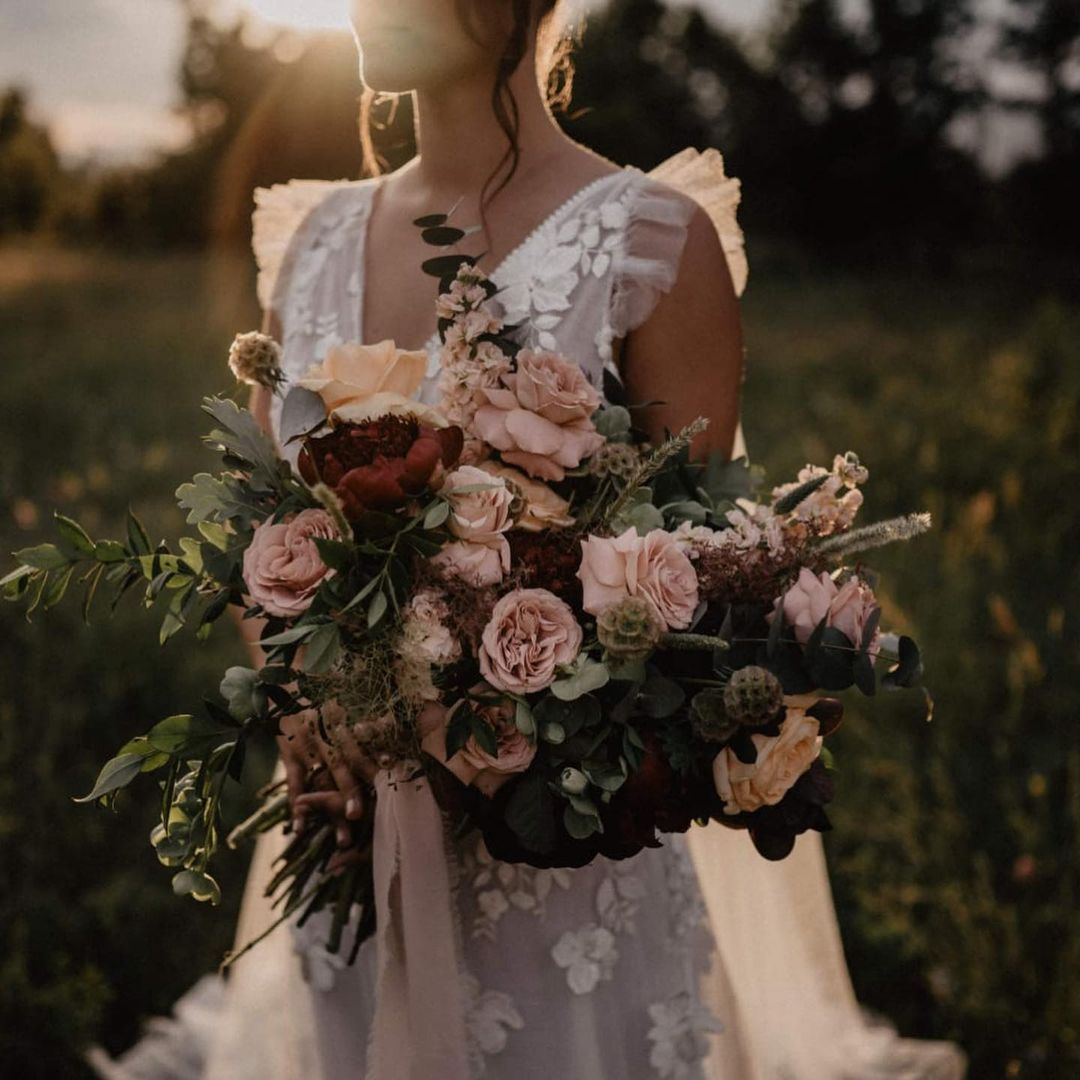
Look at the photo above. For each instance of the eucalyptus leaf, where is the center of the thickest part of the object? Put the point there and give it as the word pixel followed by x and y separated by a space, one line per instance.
pixel 322 649
pixel 580 826
pixel 302 412
pixel 115 774
pixel 530 813
pixel 660 697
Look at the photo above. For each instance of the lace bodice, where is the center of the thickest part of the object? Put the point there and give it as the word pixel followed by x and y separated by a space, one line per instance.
pixel 587 275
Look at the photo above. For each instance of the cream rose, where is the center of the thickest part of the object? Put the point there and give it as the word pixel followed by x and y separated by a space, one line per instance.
pixel 543 509
pixel 282 567
pixel 653 566
pixel 359 382
pixel 781 760
pixel 540 418
pixel 483 515
pixel 813 598
pixel 530 633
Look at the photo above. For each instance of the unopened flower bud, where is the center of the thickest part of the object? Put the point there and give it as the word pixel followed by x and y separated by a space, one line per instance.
pixel 573 781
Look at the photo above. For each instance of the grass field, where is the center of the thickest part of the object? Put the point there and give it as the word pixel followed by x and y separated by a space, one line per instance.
pixel 955 853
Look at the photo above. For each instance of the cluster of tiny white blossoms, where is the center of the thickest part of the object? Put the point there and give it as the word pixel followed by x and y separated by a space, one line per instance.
pixel 469 364
pixel 833 506
pixel 425 641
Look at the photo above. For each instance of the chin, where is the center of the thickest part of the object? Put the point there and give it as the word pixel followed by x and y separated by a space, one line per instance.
pixel 399 64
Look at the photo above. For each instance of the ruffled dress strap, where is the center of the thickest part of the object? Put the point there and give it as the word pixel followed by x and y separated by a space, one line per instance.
pixel 280 211
pixel 701 176
pixel 660 206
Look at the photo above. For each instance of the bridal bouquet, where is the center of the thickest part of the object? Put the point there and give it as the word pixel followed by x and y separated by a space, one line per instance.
pixel 582 640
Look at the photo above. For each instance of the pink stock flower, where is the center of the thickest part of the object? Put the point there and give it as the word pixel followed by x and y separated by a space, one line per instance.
pixel 539 419
pixel 653 566
pixel 530 633
pixel 282 565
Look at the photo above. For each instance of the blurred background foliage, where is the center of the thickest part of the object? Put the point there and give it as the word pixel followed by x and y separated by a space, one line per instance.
pixel 902 302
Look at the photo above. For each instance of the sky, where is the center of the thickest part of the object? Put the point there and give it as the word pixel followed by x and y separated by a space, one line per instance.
pixel 102 73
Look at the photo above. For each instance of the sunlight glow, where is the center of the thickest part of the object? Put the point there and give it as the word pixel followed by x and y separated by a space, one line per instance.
pixel 303 14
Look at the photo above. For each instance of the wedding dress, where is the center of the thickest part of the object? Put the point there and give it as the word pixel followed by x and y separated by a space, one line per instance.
pixel 696 959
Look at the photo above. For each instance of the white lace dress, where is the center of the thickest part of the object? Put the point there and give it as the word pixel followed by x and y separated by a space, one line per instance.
pixel 616 971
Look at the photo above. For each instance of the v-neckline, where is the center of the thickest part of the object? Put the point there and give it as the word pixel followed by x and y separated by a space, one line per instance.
pixel 530 238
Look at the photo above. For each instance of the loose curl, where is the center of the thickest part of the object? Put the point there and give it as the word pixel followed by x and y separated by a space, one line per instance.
pixel 554 65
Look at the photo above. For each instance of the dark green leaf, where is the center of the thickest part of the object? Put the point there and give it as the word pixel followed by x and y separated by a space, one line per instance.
pixel 660 697
pixel 43 557
pixel 830 664
pixel 907 672
pixel 376 609
pixel 800 494
pixel 138 538
pixel 57 587
pixel 446 265
pixel 110 551
pixel 322 649
pixel 74 534
pixel 117 773
pixel 442 236
pixel 530 813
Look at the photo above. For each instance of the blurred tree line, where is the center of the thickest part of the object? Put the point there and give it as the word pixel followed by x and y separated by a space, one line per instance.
pixel 842 123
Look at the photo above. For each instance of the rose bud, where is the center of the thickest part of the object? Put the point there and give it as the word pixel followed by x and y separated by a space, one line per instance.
pixel 573 781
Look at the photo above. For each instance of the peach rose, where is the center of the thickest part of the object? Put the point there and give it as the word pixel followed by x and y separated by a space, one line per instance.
pixel 360 382
pixel 530 633
pixel 539 419
pixel 543 509
pixel 813 598
pixel 282 565
pixel 653 566
pixel 781 760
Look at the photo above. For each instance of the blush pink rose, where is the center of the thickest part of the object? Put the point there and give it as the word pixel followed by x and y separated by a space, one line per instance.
pixel 282 566
pixel 653 566
pixel 472 764
pixel 479 564
pixel 530 633
pixel 781 760
pixel 540 418
pixel 815 597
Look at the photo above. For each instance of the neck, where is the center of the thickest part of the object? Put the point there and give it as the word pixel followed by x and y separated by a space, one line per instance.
pixel 461 115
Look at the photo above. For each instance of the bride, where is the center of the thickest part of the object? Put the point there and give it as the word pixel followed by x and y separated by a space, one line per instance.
pixel 694 959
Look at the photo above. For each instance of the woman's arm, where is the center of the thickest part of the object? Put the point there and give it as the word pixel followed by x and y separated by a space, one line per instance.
pixel 689 353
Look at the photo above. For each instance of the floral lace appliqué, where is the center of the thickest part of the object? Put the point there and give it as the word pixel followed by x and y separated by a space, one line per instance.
pixel 537 287
pixel 589 956
pixel 491 1017
pixel 500 887
pixel 680 1036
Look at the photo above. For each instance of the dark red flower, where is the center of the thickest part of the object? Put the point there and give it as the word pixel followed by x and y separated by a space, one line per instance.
pixel 380 464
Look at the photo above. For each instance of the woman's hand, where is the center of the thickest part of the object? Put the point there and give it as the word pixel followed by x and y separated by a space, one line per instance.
pixel 324 778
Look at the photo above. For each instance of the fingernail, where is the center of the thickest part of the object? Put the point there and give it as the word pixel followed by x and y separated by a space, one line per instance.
pixel 352 807
pixel 297 824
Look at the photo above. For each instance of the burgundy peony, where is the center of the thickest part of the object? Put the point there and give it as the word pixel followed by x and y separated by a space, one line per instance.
pixel 380 464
